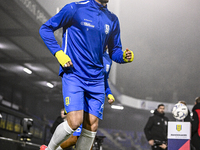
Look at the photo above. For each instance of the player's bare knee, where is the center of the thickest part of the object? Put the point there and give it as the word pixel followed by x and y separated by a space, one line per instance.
pixel 94 127
pixel 75 119
pixel 74 124
pixel 91 126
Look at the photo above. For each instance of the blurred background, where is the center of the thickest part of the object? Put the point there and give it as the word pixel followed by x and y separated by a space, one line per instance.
pixel 164 36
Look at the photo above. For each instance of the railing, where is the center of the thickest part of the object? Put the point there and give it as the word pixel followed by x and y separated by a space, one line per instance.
pixel 11 127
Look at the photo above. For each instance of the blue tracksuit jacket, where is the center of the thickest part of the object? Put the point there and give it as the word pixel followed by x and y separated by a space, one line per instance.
pixel 87 28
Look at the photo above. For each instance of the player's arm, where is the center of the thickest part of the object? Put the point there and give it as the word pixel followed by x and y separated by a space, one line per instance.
pixel 115 47
pixel 108 92
pixel 61 19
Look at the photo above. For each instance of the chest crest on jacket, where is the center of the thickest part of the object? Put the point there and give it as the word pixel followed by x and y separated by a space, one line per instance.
pixel 107 28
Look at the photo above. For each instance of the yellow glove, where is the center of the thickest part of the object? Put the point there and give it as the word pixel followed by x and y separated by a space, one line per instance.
pixel 125 57
pixel 111 99
pixel 110 96
pixel 62 57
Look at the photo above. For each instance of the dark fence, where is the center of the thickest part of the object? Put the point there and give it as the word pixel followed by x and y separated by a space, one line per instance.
pixel 12 130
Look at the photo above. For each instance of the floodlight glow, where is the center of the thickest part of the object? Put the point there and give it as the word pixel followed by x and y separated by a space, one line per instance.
pixel 117 107
pixel 50 85
pixel 28 71
pixel 2 46
pixel 152 111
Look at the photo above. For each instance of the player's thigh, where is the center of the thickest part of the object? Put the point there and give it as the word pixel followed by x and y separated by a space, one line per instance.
pixel 73 97
pixel 73 94
pixel 94 99
pixel 75 119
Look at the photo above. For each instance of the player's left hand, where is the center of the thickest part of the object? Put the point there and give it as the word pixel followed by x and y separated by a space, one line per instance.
pixel 128 55
pixel 111 99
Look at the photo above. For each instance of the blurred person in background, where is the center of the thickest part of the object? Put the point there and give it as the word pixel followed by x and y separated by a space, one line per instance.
pixel 156 129
pixel 188 119
pixel 195 140
pixel 58 120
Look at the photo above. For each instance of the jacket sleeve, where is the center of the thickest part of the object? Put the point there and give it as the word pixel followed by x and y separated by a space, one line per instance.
pixel 61 19
pixel 147 129
pixel 114 43
pixel 107 87
pixel 167 127
pixel 195 123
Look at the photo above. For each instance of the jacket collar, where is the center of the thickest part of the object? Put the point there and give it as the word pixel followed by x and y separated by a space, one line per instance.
pixel 158 114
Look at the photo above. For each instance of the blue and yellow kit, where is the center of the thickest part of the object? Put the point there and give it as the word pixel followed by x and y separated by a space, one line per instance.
pixel 87 28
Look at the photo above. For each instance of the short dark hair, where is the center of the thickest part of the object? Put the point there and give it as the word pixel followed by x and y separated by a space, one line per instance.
pixel 197 100
pixel 161 105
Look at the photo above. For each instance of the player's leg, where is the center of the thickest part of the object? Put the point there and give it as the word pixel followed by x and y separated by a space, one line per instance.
pixel 62 132
pixel 86 139
pixel 73 96
pixel 93 107
pixel 71 141
pixel 90 122
pixel 73 102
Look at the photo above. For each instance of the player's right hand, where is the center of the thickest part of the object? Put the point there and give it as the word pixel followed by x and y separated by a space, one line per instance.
pixel 63 59
pixel 68 64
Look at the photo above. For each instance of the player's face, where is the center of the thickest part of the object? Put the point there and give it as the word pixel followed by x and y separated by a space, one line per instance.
pixel 161 109
pixel 103 2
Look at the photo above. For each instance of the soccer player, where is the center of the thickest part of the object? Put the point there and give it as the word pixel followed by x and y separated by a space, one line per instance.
pixel 71 141
pixel 88 26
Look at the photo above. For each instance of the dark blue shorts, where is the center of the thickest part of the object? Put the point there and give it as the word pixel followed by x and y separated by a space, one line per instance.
pixel 79 94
